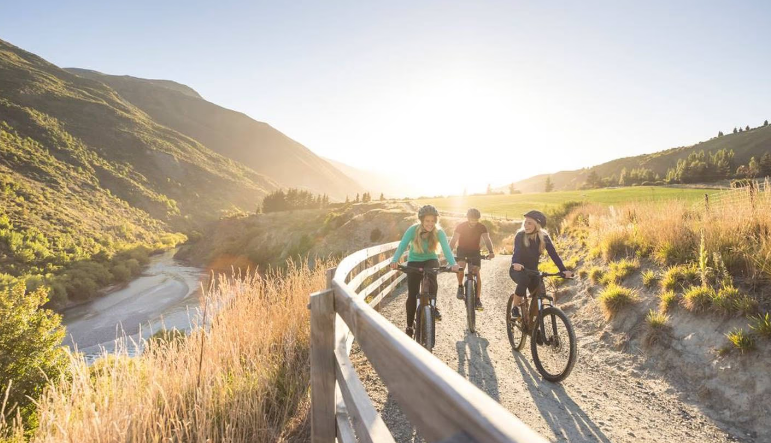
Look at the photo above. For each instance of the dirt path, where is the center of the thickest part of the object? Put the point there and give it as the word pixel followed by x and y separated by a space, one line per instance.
pixel 604 400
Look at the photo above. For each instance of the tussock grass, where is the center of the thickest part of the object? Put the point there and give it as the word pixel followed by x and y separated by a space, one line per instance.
pixel 668 300
pixel 618 271
pixel 244 378
pixel 596 274
pixel 742 341
pixel 658 329
pixel 614 297
pixel 677 277
pixel 649 278
pixel 698 298
pixel 761 324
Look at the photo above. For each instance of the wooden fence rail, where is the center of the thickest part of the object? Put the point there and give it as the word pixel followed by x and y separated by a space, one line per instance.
pixel 442 405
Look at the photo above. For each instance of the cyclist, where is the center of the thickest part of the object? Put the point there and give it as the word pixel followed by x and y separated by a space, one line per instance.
pixel 423 239
pixel 468 236
pixel 529 244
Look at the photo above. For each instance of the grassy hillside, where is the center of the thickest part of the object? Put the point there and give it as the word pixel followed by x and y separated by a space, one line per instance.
pixel 745 145
pixel 514 205
pixel 232 134
pixel 84 174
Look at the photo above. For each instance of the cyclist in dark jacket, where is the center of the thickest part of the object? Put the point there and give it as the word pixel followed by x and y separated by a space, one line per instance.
pixel 529 244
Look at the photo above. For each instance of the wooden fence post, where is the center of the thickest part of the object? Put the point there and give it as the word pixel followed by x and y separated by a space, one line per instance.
pixel 323 428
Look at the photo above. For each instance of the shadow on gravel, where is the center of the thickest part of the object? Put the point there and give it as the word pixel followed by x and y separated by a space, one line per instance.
pixel 474 363
pixel 401 429
pixel 561 413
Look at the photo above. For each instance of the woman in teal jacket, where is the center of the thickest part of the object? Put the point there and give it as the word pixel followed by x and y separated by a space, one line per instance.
pixel 423 239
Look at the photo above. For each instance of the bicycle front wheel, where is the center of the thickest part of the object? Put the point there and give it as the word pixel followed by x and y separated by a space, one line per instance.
pixel 471 300
pixel 553 344
pixel 427 327
pixel 515 327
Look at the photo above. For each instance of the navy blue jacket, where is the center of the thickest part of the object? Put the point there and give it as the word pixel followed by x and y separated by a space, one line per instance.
pixel 528 256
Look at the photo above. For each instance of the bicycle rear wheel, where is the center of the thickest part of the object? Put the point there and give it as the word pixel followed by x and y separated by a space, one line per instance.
pixel 427 328
pixel 471 300
pixel 554 349
pixel 515 328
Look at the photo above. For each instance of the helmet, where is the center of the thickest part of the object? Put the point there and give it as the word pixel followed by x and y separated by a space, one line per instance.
pixel 473 213
pixel 427 210
pixel 537 216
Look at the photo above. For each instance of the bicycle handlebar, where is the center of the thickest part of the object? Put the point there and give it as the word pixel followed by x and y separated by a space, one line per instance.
pixel 410 269
pixel 546 274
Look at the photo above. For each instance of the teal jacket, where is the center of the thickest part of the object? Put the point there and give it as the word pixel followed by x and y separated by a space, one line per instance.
pixel 409 235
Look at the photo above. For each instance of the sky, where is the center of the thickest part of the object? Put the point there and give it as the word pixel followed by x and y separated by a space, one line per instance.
pixel 443 95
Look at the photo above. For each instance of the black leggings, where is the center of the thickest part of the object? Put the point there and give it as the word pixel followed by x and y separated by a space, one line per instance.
pixel 413 286
pixel 524 282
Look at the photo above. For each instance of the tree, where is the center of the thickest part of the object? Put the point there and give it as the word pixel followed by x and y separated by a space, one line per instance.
pixel 548 186
pixel 30 347
pixel 593 180
pixel 747 128
pixel 735 130
pixel 753 168
pixel 382 197
pixel 512 188
pixel 357 199
pixel 366 197
pixel 489 189
pixel 622 179
pixel 765 165
pixel 741 129
pixel 765 123
pixel 347 200
pixel 720 133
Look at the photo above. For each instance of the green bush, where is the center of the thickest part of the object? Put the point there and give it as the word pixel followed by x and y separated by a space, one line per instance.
pixel 741 340
pixel 649 278
pixel 698 298
pixel 667 301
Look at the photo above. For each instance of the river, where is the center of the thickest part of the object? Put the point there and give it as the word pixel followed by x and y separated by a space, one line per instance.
pixel 166 294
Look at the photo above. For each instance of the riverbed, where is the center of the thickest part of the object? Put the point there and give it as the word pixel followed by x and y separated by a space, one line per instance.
pixel 167 294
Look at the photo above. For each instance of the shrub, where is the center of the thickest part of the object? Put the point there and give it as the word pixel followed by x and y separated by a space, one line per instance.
pixel 614 298
pixel 676 277
pixel 741 340
pixel 375 235
pixel 698 298
pixel 724 301
pixel 746 305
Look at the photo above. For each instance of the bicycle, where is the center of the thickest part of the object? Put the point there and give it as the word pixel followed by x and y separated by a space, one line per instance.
pixel 470 294
pixel 554 357
pixel 424 325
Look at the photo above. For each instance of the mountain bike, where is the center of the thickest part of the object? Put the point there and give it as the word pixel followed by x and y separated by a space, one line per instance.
pixel 552 339
pixel 470 294
pixel 424 326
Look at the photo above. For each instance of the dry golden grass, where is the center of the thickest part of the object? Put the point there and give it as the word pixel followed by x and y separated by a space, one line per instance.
pixel 738 229
pixel 243 379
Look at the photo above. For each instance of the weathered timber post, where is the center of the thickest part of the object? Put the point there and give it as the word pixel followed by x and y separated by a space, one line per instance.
pixel 323 428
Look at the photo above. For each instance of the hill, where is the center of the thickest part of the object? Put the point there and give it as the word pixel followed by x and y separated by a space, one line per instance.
pixel 374 182
pixel 232 134
pixel 746 144
pixel 85 174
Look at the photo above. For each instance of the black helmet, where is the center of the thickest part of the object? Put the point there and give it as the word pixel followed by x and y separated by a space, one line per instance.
pixel 427 210
pixel 473 213
pixel 537 216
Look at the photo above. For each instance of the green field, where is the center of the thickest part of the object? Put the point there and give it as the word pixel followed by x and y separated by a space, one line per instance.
pixel 513 206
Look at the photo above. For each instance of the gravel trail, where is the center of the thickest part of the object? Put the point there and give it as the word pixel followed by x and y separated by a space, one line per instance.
pixel 603 400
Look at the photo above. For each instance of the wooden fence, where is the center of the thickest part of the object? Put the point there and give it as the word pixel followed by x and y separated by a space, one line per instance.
pixel 442 405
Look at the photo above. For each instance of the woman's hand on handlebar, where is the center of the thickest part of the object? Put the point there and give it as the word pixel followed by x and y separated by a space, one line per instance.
pixel 517 266
pixel 394 265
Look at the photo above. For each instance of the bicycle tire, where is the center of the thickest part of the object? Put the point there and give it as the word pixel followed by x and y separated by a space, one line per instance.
pixel 551 315
pixel 515 329
pixel 428 329
pixel 471 298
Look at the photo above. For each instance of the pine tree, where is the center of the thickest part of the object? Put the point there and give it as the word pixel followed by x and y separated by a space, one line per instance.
pixel 548 186
pixel 753 168
pixel 765 123
pixel 512 188
pixel 347 200
pixel 489 189
pixel 747 128
pixel 735 130
pixel 720 133
pixel 357 199
pixel 382 197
